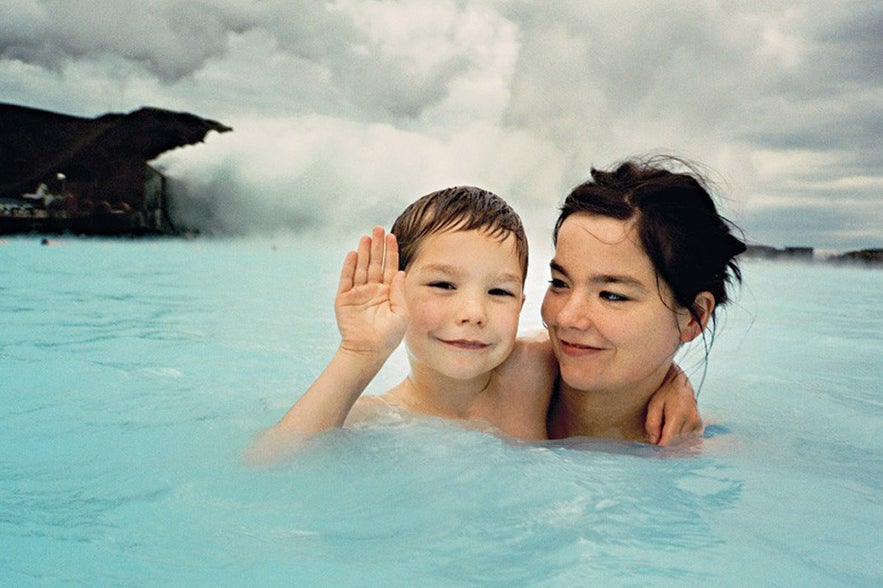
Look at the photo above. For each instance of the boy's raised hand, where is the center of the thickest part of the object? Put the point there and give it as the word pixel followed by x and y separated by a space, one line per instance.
pixel 371 316
pixel 370 302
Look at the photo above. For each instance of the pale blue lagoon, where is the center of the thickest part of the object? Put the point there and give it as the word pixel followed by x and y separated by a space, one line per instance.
pixel 134 372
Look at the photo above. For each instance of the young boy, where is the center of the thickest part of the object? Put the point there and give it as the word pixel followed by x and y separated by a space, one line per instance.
pixel 449 279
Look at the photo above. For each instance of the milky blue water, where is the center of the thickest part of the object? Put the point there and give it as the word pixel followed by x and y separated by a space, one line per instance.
pixel 133 373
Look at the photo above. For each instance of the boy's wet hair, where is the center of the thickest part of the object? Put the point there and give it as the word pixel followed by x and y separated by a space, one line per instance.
pixel 461 208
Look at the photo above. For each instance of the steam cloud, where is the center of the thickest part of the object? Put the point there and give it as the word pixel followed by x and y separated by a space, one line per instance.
pixel 344 111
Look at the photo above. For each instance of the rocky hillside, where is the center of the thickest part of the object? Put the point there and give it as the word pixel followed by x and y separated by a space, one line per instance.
pixel 36 145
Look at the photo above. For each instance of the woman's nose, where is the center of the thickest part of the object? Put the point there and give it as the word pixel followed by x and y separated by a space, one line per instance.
pixel 574 314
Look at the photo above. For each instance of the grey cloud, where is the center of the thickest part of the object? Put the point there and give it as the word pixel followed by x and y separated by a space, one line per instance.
pixel 831 229
pixel 170 44
pixel 850 44
pixel 367 80
pixel 173 40
pixel 786 96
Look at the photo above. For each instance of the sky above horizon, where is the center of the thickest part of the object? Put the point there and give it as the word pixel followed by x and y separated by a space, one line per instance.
pixel 344 111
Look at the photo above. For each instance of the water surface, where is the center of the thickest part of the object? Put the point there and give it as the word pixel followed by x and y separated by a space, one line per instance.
pixel 133 373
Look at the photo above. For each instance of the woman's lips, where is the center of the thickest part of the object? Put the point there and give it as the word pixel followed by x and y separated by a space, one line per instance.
pixel 570 348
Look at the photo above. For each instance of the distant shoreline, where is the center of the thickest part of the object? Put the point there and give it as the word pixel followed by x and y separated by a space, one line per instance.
pixel 868 257
pixel 871 257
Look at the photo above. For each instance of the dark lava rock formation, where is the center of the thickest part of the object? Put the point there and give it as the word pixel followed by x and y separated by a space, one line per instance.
pixel 91 175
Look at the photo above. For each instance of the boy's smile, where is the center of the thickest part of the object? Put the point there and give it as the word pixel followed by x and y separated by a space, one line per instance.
pixel 466 344
pixel 464 291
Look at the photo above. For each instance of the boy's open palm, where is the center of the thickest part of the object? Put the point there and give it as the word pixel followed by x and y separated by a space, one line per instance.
pixel 370 303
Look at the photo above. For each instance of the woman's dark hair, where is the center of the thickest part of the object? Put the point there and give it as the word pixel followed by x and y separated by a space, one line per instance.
pixel 692 247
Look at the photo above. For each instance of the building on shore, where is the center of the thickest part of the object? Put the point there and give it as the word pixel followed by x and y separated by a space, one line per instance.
pixel 132 201
pixel 63 173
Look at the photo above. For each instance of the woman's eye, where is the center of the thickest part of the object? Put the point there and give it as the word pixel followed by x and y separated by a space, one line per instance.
pixel 441 285
pixel 557 283
pixel 613 296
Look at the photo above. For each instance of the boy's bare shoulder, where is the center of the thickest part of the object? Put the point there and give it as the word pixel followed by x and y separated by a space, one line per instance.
pixel 534 349
pixel 371 409
pixel 531 368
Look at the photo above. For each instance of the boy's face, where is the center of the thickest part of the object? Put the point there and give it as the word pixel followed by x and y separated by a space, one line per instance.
pixel 464 292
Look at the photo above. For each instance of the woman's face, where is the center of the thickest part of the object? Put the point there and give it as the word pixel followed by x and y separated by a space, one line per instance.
pixel 611 327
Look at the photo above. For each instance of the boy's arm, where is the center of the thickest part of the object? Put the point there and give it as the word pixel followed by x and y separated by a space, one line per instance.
pixel 371 315
pixel 672 411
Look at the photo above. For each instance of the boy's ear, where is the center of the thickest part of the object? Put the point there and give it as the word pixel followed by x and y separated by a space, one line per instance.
pixel 688 324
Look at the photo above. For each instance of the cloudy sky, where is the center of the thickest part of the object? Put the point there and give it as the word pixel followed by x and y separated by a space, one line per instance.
pixel 345 110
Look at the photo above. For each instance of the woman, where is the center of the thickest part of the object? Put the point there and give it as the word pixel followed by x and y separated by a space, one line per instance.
pixel 642 262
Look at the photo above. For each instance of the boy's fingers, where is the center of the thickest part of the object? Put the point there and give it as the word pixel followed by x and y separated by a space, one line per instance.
pixel 375 263
pixel 391 259
pixel 397 294
pixel 360 276
pixel 346 272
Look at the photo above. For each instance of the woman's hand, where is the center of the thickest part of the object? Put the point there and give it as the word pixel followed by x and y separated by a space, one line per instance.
pixel 673 411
